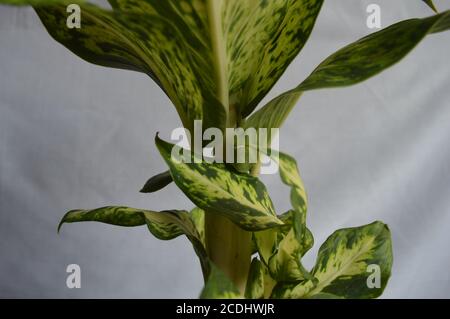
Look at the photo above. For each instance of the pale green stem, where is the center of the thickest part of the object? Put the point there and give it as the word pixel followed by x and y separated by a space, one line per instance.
pixel 229 248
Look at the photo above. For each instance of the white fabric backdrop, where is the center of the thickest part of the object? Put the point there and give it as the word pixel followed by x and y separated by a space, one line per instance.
pixel 75 135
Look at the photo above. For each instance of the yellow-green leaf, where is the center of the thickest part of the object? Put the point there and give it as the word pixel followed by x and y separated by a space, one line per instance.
pixel 290 176
pixel 353 64
pixel 211 57
pixel 281 248
pixel 198 218
pixel 212 187
pixel 255 281
pixel 352 263
pixel 164 225
pixel 266 36
pixel 285 264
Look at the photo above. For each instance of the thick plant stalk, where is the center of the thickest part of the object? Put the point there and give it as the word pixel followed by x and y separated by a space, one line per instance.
pixel 229 248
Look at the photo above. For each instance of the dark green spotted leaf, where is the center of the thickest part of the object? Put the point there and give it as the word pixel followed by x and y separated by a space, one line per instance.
pixel 255 281
pixel 219 286
pixel 164 225
pixel 285 264
pixel 374 53
pixel 281 248
pixel 159 223
pixel 157 182
pixel 198 218
pixel 272 33
pixel 290 176
pixel 243 47
pixel 212 187
pixel 349 264
pixel 353 64
pixel 210 57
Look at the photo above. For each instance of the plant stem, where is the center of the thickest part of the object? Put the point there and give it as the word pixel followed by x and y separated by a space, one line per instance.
pixel 229 248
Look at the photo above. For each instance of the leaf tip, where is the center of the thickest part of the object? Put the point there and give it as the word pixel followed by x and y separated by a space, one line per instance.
pixel 157 136
pixel 63 221
pixel 58 231
pixel 431 5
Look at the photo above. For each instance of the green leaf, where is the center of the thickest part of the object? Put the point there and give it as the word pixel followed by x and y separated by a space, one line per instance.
pixel 269 283
pixel 157 182
pixel 247 44
pixel 293 219
pixel 198 218
pixel 212 187
pixel 430 4
pixel 210 57
pixel 290 176
pixel 164 225
pixel 344 262
pixel 270 34
pixel 285 264
pixel 373 54
pixel 219 286
pixel 255 281
pixel 159 223
pixel 353 64
pixel 281 248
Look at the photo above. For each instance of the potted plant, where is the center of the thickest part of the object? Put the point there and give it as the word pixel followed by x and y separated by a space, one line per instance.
pixel 216 60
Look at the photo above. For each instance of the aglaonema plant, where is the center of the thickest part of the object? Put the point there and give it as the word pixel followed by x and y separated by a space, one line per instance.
pixel 216 60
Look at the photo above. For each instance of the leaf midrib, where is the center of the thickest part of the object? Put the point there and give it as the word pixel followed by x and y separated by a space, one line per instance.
pixel 218 44
pixel 321 285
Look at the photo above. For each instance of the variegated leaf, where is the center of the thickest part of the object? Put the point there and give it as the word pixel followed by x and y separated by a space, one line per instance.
pixel 198 218
pixel 353 64
pixel 212 187
pixel 157 182
pixel 255 281
pixel 281 248
pixel 265 36
pixel 250 43
pixel 285 264
pixel 164 225
pixel 343 266
pixel 269 283
pixel 290 176
pixel 215 59
pixel 219 286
